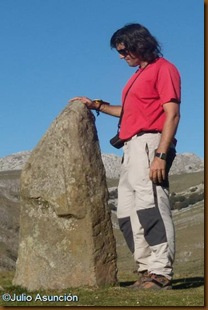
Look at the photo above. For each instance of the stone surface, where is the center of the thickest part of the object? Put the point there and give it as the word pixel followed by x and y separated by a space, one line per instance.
pixel 66 236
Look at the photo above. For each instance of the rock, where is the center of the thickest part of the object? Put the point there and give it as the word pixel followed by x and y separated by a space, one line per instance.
pixel 66 236
pixel 112 164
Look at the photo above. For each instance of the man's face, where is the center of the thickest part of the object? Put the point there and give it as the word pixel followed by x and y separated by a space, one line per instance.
pixel 132 60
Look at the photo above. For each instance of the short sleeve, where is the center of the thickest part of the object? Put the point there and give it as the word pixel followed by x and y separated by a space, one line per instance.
pixel 169 84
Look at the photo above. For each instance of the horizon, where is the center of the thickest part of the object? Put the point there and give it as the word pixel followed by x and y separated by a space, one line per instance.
pixel 30 151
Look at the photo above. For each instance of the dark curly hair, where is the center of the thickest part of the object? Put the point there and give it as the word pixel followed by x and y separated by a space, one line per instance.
pixel 138 40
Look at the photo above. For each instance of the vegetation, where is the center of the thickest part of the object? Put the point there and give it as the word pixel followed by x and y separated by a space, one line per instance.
pixel 178 183
pixel 179 202
pixel 183 295
pixel 182 182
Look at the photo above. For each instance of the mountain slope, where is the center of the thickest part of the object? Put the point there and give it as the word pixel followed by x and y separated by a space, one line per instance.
pixel 183 163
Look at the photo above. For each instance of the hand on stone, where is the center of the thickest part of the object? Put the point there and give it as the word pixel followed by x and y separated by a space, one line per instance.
pixel 88 102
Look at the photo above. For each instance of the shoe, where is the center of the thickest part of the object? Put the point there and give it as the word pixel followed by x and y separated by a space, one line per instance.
pixel 143 277
pixel 156 282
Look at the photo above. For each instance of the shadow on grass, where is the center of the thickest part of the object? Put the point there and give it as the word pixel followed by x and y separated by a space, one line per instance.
pixel 178 284
pixel 185 283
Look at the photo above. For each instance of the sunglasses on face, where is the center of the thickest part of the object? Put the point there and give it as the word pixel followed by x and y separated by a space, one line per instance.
pixel 124 52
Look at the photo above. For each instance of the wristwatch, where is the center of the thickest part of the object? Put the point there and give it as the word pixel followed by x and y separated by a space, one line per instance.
pixel 100 101
pixel 161 155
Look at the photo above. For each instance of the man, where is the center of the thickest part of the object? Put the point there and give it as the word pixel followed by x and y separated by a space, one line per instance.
pixel 150 114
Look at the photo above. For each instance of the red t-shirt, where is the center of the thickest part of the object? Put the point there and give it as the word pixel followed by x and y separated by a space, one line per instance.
pixel 153 86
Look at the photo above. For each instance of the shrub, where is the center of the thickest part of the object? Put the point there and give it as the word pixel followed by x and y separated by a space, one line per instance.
pixel 193 189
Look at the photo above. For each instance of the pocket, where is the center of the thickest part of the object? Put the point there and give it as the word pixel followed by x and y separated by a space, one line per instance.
pixel 148 155
pixel 122 159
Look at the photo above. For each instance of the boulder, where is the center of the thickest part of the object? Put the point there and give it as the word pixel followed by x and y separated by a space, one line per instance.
pixel 66 235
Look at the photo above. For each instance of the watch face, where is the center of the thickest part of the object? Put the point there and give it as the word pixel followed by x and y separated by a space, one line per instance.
pixel 161 155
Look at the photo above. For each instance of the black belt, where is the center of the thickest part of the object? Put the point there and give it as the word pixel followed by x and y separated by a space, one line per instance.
pixel 142 133
pixel 174 142
pixel 147 131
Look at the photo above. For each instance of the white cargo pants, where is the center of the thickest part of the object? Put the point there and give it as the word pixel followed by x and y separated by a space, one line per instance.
pixel 143 211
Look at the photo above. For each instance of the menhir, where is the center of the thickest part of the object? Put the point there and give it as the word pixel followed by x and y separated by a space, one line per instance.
pixel 66 236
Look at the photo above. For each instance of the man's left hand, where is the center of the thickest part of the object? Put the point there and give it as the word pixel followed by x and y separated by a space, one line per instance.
pixel 157 170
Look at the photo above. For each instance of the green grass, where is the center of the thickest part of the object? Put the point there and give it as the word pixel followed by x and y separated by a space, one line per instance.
pixel 185 293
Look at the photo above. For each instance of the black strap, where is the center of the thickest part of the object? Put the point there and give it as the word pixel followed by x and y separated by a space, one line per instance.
pixel 122 110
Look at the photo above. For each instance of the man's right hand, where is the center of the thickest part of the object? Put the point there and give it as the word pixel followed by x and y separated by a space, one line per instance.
pixel 87 101
pixel 99 105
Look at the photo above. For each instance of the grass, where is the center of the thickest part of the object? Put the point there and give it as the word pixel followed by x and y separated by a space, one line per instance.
pixel 178 183
pixel 186 292
pixel 9 175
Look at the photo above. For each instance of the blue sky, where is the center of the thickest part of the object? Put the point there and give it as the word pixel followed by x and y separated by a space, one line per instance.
pixel 53 50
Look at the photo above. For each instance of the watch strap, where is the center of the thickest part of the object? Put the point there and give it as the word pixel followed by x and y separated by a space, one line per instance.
pixel 161 155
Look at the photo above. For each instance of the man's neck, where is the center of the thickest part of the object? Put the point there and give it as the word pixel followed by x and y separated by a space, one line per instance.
pixel 143 64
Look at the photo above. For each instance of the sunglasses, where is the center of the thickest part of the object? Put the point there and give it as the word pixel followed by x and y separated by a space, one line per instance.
pixel 124 52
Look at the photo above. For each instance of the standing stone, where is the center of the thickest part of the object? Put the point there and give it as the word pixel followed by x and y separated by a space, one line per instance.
pixel 66 236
